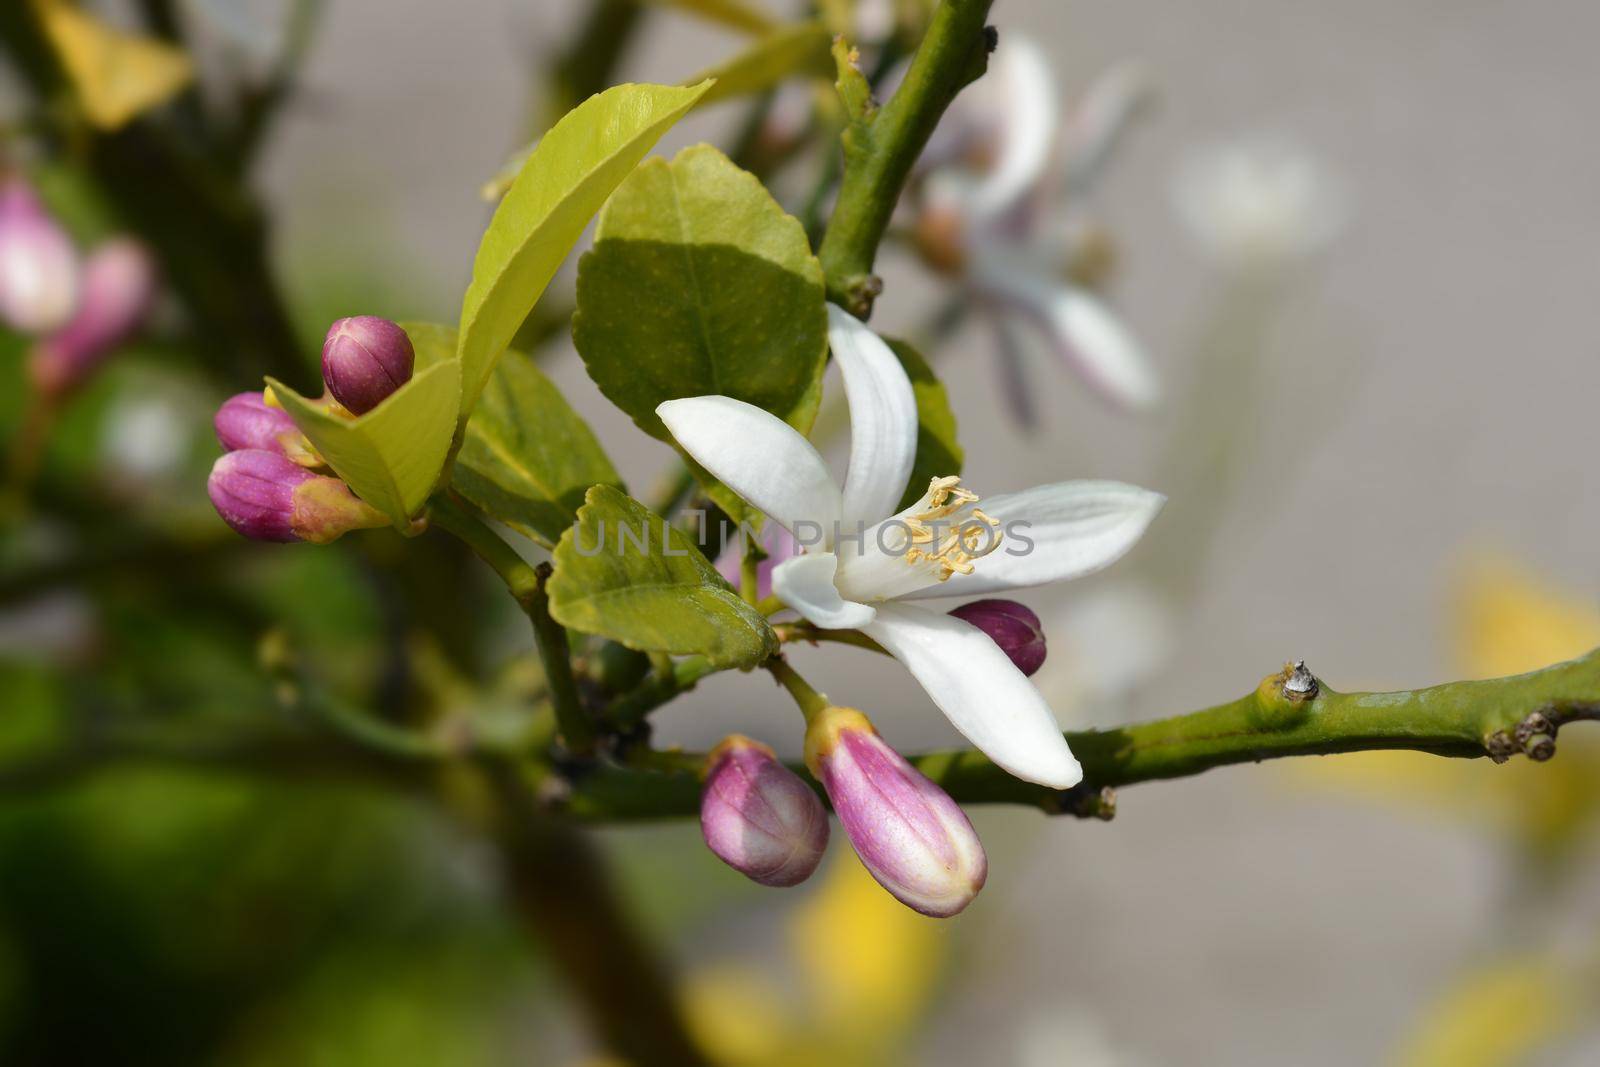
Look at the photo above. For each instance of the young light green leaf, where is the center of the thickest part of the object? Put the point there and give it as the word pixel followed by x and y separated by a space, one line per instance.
pixel 735 13
pixel 781 54
pixel 625 574
pixel 393 455
pixel 561 185
pixel 528 457
pixel 854 89
pixel 938 451
pixel 433 342
pixel 698 283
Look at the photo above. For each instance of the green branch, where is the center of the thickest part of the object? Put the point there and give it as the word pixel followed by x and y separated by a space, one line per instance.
pixel 882 145
pixel 1289 714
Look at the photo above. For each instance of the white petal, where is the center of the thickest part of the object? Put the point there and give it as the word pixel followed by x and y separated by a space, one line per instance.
pixel 883 419
pixel 981 692
pixel 1088 337
pixel 1053 533
pixel 805 583
pixel 1030 116
pixel 760 457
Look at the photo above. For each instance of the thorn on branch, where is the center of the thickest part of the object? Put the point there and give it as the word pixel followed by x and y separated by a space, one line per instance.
pixel 1534 737
pixel 1299 683
pixel 1499 746
pixel 1536 723
pixel 860 292
pixel 1086 802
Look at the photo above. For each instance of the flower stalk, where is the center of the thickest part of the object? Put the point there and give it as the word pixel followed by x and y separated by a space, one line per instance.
pixel 810 702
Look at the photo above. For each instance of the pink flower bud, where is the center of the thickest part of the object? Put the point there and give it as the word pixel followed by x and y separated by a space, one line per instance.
pixel 364 360
pixel 248 421
pixel 266 497
pixel 1010 625
pixel 38 266
pixel 775 540
pixel 908 832
pixel 119 285
pixel 759 817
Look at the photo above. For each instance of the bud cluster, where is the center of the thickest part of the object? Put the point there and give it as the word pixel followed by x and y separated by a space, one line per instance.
pixel 266 485
pixel 763 820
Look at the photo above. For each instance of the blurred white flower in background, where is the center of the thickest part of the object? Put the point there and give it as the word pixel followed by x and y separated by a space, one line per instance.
pixel 146 436
pixel 1001 209
pixel 1258 202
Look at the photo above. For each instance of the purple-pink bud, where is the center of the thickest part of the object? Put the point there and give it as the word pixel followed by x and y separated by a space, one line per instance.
pixel 910 835
pixel 364 360
pixel 1010 625
pixel 267 497
pixel 759 817
pixel 38 266
pixel 248 421
pixel 119 285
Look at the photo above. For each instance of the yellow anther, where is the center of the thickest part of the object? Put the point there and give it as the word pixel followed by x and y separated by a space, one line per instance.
pixel 948 533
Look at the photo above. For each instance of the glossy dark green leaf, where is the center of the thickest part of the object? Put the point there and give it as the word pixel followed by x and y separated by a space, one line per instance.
pixel 700 284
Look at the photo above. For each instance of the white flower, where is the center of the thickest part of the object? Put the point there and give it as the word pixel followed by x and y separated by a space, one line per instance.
pixel 1258 202
pixel 996 170
pixel 865 563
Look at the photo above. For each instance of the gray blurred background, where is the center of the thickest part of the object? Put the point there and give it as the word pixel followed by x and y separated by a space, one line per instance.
pixel 1427 387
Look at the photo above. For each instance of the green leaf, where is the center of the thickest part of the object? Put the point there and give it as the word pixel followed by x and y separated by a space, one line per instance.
pixel 735 13
pixel 938 451
pixel 698 283
pixel 663 596
pixel 563 183
pixel 528 458
pixel 781 54
pixel 393 455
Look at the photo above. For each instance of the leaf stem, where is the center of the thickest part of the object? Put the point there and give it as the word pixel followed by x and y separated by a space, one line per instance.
pixel 749 572
pixel 804 631
pixel 572 719
pixel 881 147
pixel 631 709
